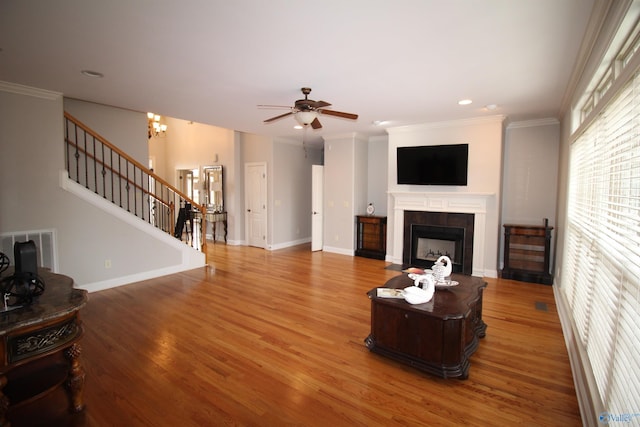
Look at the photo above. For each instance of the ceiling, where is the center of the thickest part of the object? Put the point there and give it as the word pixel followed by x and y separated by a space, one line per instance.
pixel 214 61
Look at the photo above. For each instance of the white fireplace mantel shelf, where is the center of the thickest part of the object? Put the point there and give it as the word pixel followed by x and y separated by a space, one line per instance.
pixel 441 201
pixel 453 202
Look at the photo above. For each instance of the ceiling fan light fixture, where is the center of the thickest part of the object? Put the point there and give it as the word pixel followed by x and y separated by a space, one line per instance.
pixel 306 117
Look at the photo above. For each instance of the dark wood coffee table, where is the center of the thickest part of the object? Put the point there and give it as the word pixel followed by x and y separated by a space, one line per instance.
pixel 439 336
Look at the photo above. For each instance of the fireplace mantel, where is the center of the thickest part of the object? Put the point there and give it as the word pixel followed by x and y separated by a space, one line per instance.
pixel 474 203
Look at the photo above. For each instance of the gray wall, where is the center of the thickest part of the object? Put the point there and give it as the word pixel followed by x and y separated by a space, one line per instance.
pixel 530 178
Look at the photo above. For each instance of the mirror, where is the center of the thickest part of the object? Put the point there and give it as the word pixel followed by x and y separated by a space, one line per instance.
pixel 188 180
pixel 213 195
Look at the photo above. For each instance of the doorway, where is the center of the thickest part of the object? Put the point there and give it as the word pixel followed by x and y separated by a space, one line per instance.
pixel 317 216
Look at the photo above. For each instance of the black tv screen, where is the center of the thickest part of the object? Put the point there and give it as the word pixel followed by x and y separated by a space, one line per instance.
pixel 433 164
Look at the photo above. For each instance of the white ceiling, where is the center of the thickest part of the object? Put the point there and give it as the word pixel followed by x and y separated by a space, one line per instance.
pixel 214 61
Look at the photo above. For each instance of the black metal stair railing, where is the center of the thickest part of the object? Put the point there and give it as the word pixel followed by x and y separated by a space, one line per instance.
pixel 103 168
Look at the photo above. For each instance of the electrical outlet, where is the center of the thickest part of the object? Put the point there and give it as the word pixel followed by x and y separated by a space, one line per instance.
pixel 107 263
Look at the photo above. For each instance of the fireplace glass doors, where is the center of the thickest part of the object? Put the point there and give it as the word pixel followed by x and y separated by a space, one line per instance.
pixel 428 235
pixel 428 243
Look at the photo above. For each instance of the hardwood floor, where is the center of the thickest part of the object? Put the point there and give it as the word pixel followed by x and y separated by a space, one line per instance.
pixel 266 338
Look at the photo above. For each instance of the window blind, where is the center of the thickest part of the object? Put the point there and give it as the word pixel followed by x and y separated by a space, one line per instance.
pixel 602 251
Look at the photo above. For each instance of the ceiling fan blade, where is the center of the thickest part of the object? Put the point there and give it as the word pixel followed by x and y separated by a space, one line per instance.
pixel 272 119
pixel 273 106
pixel 319 104
pixel 316 123
pixel 339 114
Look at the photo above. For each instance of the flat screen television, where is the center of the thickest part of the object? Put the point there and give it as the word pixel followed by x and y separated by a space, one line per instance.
pixel 433 164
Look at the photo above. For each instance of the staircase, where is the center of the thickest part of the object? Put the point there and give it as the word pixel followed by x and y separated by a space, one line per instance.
pixel 104 169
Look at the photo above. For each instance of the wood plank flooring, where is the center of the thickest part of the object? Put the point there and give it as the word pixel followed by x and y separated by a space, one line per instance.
pixel 264 338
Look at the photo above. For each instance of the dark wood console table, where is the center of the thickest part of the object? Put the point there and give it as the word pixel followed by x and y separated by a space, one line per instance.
pixel 371 236
pixel 39 348
pixel 439 336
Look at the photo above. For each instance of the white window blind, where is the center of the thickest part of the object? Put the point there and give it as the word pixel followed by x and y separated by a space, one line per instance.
pixel 602 251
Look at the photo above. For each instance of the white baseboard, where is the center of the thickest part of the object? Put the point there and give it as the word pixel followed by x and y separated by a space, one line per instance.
pixel 127 280
pixel 289 244
pixel 341 251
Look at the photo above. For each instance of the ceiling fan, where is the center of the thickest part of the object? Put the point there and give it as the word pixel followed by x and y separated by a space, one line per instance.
pixel 306 111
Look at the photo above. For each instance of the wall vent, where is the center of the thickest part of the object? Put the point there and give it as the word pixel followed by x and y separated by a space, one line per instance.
pixel 45 243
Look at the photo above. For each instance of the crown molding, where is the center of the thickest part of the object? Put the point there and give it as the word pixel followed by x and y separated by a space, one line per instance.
pixel 29 91
pixel 354 136
pixel 447 124
pixel 551 121
pixel 606 16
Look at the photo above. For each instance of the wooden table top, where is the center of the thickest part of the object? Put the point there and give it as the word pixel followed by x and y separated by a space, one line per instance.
pixel 447 303
pixel 58 299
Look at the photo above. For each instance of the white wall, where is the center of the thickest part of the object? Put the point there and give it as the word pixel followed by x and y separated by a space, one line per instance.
pixel 191 145
pixel 484 136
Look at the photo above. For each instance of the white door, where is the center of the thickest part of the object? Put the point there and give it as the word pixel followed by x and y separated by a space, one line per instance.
pixel 255 178
pixel 317 217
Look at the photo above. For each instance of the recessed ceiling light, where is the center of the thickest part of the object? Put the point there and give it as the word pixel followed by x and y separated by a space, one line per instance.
pixel 94 74
pixel 465 102
pixel 380 122
pixel 491 107
pixel 297 127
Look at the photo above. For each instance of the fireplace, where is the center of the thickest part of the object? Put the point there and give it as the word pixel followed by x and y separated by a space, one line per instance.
pixel 428 235
pixel 481 225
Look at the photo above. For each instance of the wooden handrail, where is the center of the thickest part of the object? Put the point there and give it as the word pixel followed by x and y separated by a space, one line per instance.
pixel 128 157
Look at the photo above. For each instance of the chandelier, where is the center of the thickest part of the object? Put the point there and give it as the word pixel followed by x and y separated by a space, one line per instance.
pixel 155 128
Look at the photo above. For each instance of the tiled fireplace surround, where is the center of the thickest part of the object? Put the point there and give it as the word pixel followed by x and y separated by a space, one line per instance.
pixel 466 203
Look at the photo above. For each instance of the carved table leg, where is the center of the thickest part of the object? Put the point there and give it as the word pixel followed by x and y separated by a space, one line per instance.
pixel 4 403
pixel 75 381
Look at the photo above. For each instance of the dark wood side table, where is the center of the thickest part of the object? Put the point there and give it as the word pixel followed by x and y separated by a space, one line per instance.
pixel 39 347
pixel 371 236
pixel 527 253
pixel 437 337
